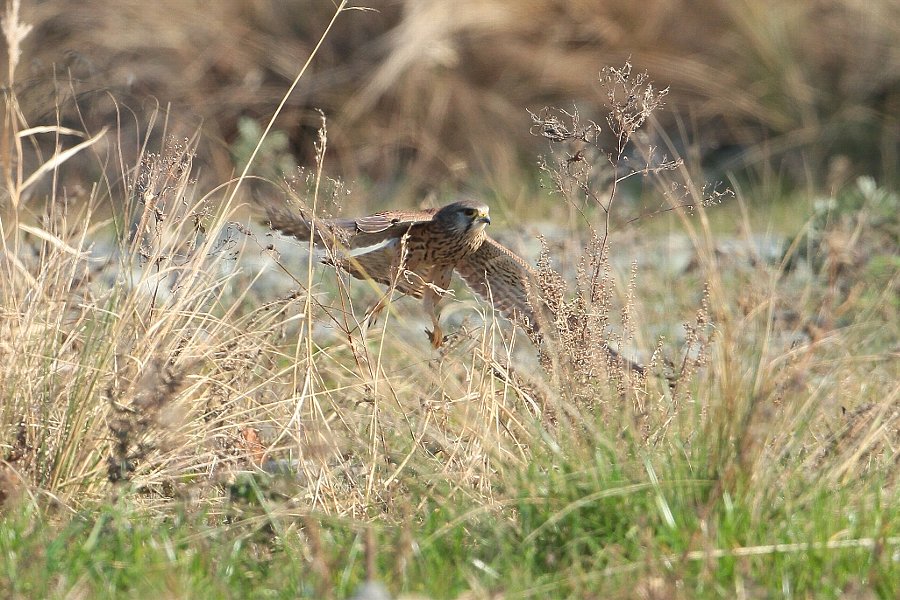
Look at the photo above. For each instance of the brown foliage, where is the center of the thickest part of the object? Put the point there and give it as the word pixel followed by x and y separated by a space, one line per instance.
pixel 439 89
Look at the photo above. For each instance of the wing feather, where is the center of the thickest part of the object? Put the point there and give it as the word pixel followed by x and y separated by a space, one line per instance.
pixel 501 277
pixel 366 247
pixel 385 220
pixel 349 234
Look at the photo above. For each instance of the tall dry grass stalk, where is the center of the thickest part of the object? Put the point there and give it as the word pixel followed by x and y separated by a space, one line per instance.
pixel 130 355
pixel 142 358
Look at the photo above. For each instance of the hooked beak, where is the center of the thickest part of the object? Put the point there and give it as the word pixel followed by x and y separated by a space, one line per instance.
pixel 483 218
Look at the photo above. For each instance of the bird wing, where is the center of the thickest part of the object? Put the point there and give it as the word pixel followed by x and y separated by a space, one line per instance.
pixel 328 231
pixel 383 221
pixel 374 250
pixel 366 247
pixel 501 277
pixel 354 235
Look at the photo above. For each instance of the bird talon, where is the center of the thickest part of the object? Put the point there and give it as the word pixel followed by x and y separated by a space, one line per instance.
pixel 436 338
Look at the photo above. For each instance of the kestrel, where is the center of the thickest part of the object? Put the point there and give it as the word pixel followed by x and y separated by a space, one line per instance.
pixel 416 252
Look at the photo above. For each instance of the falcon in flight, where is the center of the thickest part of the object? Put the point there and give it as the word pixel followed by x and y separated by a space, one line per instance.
pixel 416 252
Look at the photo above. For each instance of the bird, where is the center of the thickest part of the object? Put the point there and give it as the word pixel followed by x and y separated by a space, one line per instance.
pixel 417 253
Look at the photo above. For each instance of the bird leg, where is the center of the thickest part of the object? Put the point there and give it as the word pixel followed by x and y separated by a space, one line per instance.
pixel 430 301
pixel 434 293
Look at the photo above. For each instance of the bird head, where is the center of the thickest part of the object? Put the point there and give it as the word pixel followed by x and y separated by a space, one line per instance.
pixel 466 216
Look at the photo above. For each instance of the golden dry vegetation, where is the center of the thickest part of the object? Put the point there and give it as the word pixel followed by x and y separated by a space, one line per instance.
pixel 190 407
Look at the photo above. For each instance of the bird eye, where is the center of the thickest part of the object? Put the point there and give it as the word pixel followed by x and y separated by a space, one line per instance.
pixel 470 212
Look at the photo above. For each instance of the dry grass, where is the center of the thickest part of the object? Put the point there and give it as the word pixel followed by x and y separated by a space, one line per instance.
pixel 149 362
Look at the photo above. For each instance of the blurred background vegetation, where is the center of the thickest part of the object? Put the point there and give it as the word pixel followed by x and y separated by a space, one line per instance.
pixel 425 95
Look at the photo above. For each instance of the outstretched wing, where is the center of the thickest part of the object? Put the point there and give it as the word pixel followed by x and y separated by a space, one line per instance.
pixel 353 235
pixel 366 247
pixel 328 231
pixel 383 221
pixel 501 277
